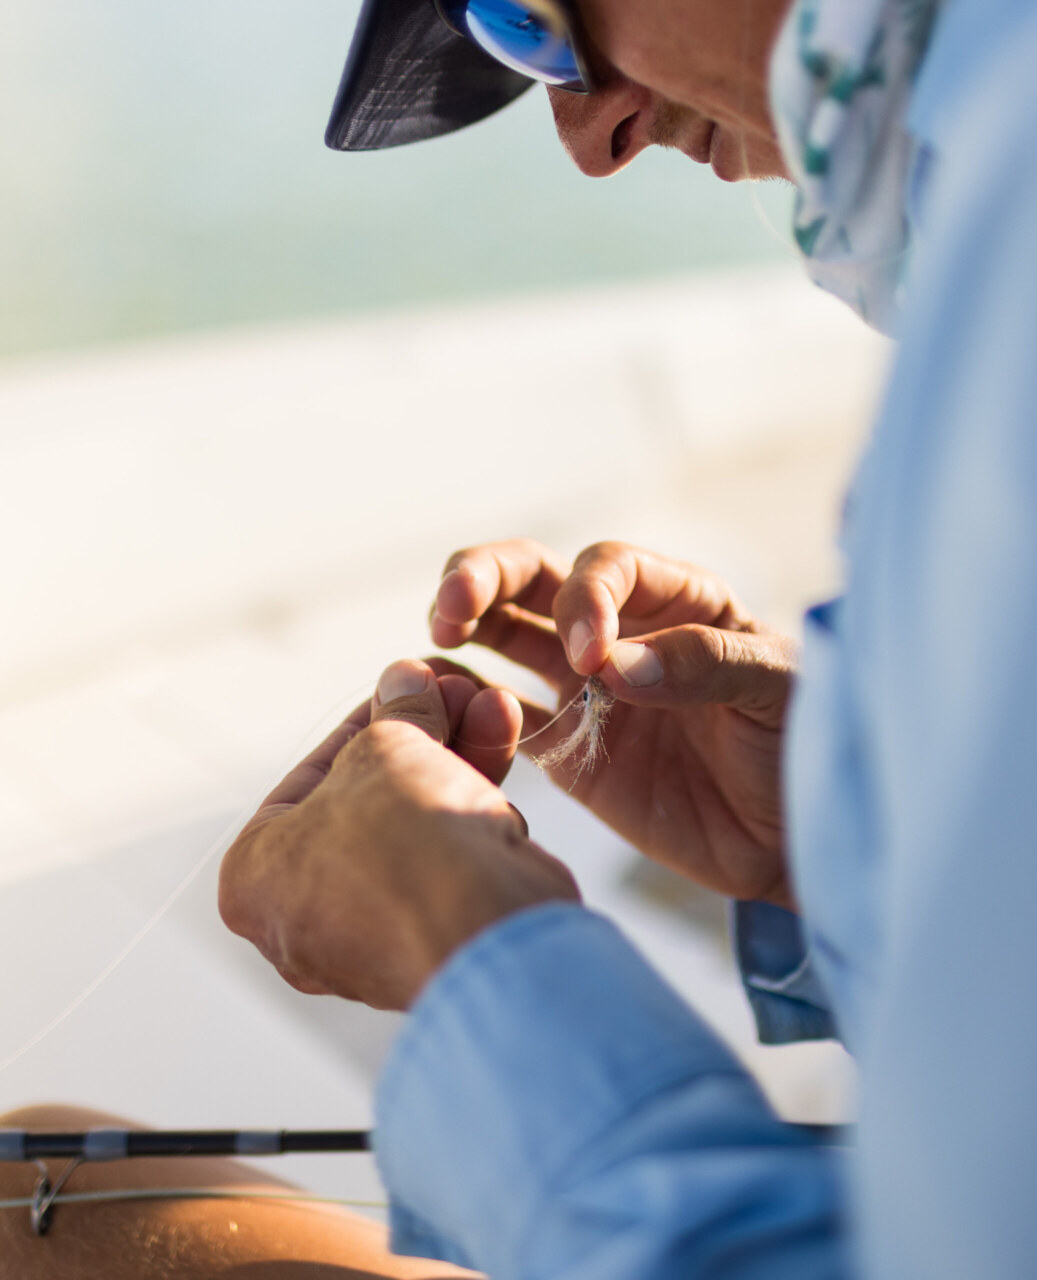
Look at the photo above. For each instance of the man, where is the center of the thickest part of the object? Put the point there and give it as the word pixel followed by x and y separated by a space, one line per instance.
pixel 684 73
pixel 551 1109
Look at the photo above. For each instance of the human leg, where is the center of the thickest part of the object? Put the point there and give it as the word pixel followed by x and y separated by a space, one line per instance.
pixel 238 1239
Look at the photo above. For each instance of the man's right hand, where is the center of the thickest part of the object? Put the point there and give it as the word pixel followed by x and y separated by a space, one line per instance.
pixel 694 741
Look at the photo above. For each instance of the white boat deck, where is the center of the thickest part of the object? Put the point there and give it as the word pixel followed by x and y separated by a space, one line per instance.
pixel 213 545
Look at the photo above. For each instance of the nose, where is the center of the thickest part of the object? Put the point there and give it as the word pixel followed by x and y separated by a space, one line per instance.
pixel 602 131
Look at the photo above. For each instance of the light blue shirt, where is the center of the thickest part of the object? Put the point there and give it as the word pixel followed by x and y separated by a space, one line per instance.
pixel 552 1111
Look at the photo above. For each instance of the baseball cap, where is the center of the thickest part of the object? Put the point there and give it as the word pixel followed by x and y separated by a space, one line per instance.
pixel 408 77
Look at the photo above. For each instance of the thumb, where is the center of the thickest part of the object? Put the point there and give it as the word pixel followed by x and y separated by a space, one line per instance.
pixel 409 691
pixel 695 664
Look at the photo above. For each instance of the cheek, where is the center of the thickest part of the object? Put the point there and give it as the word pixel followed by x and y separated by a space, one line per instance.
pixel 649 42
pixel 639 59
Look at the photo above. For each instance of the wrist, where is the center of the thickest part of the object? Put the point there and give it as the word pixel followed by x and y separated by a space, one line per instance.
pixel 460 908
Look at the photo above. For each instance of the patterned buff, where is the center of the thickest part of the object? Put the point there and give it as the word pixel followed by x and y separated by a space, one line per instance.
pixel 841 78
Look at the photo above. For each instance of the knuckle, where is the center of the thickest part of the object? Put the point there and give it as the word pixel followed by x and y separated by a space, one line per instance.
pixel 599 553
pixel 230 898
pixel 386 735
pixel 705 648
pixel 242 872
pixel 783 651
pixel 608 564
pixel 367 747
pixel 523 547
pixel 385 739
pixel 229 907
pixel 526 547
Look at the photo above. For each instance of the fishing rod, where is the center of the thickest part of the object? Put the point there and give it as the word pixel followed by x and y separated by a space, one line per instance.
pixel 104 1144
pixel 94 1145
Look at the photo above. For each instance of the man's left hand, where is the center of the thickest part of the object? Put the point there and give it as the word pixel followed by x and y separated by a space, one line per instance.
pixel 391 845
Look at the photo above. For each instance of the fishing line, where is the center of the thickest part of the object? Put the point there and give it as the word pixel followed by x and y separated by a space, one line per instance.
pixel 580 695
pixel 784 241
pixel 130 946
pixel 584 745
pixel 554 719
pixel 585 740
pixel 192 1193
pixel 219 845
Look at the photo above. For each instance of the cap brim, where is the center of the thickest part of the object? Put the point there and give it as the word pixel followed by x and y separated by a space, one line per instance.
pixel 408 77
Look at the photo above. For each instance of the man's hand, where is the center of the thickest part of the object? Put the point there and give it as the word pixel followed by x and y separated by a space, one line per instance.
pixel 695 740
pixel 384 851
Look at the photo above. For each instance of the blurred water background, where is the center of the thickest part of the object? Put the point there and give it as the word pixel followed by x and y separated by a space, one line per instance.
pixel 162 168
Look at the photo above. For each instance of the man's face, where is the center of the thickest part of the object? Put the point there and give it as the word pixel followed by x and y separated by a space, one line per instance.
pixel 690 74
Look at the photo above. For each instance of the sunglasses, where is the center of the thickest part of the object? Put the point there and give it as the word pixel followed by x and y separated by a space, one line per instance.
pixel 537 38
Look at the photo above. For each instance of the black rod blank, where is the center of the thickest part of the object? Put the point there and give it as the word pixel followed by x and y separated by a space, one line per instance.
pixel 122 1144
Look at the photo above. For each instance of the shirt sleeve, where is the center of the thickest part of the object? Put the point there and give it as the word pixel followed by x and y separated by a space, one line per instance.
pixel 553 1109
pixel 941 633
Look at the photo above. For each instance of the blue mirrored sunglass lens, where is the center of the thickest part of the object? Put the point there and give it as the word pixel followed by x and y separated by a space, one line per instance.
pixel 520 39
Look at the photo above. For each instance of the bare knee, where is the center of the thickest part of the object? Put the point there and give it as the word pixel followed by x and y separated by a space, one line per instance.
pixel 18 1178
pixel 241 1238
pixel 59 1115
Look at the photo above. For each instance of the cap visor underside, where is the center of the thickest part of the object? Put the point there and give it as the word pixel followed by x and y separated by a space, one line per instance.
pixel 408 77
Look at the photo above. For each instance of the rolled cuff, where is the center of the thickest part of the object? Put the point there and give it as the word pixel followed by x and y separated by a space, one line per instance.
pixel 785 995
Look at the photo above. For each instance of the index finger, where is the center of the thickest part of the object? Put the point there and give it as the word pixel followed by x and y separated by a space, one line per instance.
pixel 616 589
pixel 520 571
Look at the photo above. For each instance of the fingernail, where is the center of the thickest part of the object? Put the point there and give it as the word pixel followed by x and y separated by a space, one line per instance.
pixel 579 638
pixel 401 680
pixel 636 663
